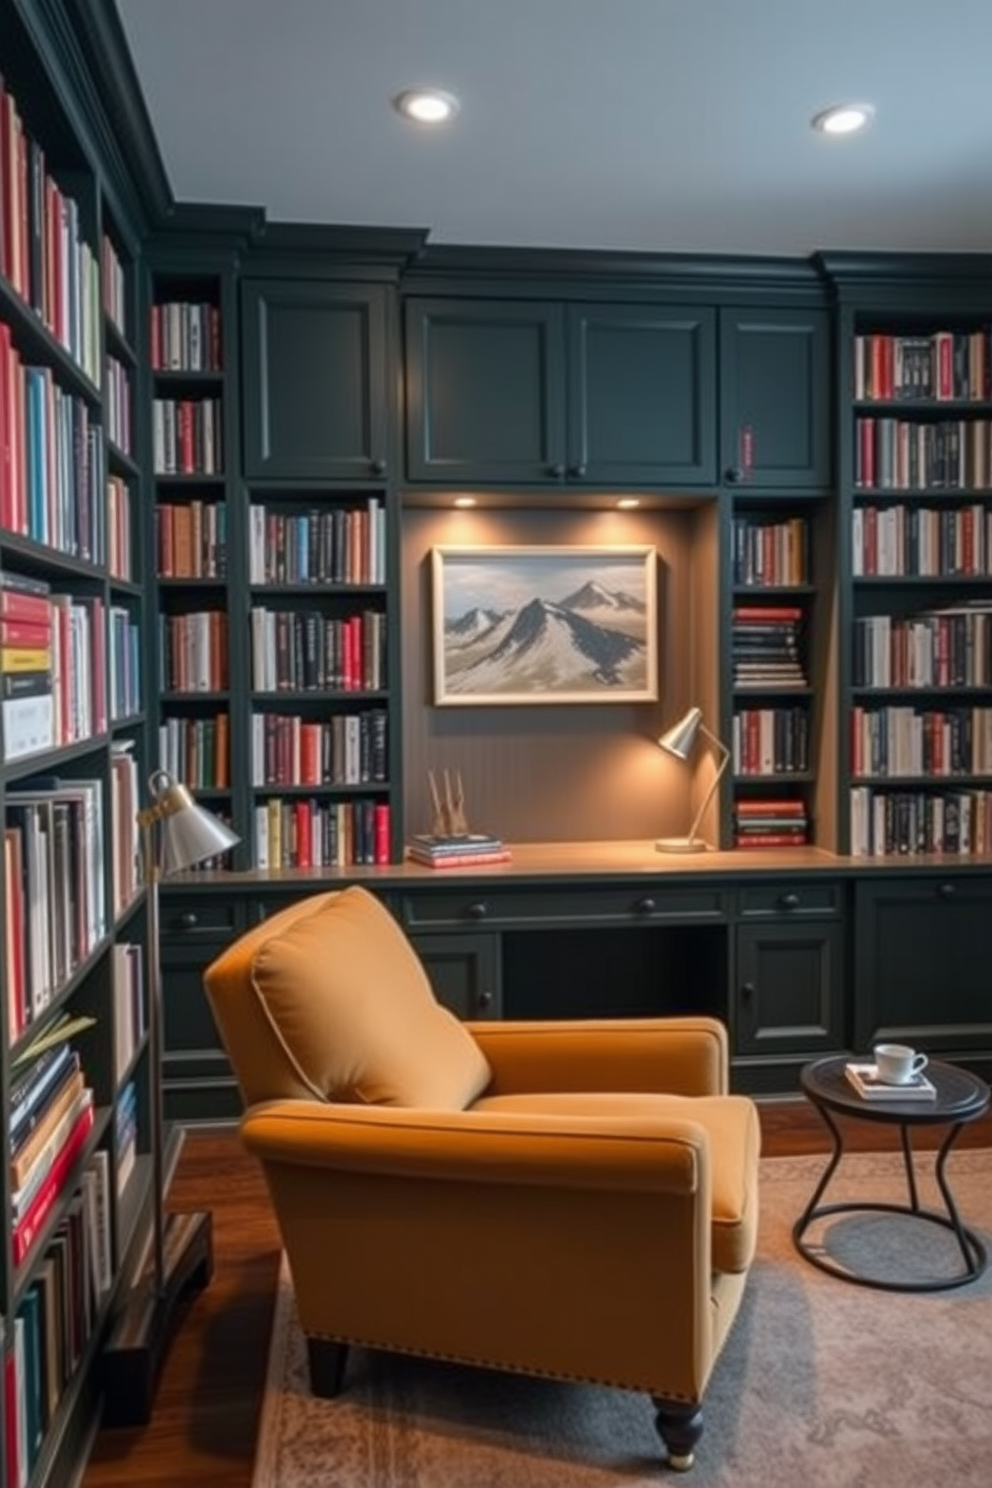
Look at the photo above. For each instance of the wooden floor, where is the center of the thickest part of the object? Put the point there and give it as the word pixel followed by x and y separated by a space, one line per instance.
pixel 203 1428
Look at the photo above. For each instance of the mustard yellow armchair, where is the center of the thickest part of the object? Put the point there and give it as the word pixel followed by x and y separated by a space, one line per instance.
pixel 575 1199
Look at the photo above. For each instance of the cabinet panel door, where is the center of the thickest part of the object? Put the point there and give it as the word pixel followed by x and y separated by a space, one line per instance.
pixel 198 1083
pixel 922 962
pixel 775 397
pixel 464 971
pixel 485 399
pixel 642 395
pixel 314 387
pixel 789 989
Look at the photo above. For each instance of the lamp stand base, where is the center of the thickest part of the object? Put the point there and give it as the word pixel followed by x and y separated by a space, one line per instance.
pixel 139 1342
pixel 681 845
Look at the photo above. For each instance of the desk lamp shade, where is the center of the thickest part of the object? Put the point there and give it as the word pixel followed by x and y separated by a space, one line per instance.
pixel 188 834
pixel 678 741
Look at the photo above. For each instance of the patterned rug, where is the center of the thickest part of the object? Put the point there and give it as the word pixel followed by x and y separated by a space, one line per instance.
pixel 821 1382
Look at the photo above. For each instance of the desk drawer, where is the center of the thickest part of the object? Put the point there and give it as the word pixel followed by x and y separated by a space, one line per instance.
pixel 792 899
pixel 578 906
pixel 201 915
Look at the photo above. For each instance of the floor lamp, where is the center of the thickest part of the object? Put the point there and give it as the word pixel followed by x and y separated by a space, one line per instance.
pixel 176 833
pixel 678 742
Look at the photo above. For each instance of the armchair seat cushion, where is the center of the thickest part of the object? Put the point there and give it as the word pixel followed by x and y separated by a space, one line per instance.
pixel 731 1127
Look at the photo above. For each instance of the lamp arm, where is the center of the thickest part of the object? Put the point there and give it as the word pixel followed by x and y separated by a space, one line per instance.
pixel 724 761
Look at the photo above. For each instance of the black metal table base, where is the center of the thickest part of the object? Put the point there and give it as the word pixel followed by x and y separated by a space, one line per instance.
pixel 973 1251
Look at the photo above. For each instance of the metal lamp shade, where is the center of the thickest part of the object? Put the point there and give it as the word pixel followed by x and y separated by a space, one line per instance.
pixel 680 738
pixel 188 834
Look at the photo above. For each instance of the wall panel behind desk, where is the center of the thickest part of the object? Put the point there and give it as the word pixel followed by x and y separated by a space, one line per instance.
pixel 560 772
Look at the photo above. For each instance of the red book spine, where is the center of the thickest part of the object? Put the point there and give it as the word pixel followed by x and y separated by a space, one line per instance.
pixel 26 1231
pixel 30 608
pixel 380 849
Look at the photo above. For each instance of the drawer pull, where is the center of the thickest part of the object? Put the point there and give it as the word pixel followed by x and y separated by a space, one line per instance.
pixel 478 910
pixel 947 890
pixel 747 991
pixel 485 1000
pixel 189 920
pixel 646 906
pixel 789 901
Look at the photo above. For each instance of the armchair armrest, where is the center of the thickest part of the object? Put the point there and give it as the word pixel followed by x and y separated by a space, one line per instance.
pixel 661 1155
pixel 675 1056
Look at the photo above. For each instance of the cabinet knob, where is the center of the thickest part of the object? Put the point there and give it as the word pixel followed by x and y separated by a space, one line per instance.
pixel 189 920
pixel 478 910
pixel 646 906
pixel 378 467
pixel 578 471
pixel 557 471
pixel 484 1000
pixel 733 475
pixel 947 890
pixel 747 991
pixel 789 901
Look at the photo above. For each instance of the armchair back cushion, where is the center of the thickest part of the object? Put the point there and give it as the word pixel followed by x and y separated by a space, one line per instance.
pixel 340 1009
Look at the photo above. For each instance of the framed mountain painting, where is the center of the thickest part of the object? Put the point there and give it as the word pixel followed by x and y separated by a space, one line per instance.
pixel 545 625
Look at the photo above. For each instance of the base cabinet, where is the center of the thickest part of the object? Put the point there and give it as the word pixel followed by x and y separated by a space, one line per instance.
pixel 921 972
pixel 788 998
pixel 464 971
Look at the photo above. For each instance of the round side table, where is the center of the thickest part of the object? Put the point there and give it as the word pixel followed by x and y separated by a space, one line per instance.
pixel 961 1097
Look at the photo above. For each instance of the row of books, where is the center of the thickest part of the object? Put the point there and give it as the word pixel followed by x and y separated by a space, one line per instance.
pixel 309 651
pixel 348 749
pixel 898 822
pixel 118 405
pixel 191 539
pixel 129 1005
pixel 907 455
pixel 55 1319
pixel 769 553
pixel 941 366
pixel 54 666
pixel 193 651
pixel 782 822
pixel 185 336
pixel 126 867
pixel 461 851
pixel 44 254
pixel 197 751
pixel 927 542
pixel 187 436
pixel 120 540
pixel 113 284
pixel 342 545
pixel 950 648
pixel 770 741
pixel 905 740
pixel 321 834
pixel 125 1135
pixel 766 646
pixel 52 459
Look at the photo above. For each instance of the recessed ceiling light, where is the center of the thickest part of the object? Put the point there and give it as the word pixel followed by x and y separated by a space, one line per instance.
pixel 464 500
pixel 427 105
pixel 843 118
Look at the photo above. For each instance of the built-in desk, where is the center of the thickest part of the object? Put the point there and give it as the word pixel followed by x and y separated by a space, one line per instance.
pixel 800 951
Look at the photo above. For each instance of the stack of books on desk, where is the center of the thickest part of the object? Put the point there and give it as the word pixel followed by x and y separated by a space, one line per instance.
pixel 457 852
pixel 864 1078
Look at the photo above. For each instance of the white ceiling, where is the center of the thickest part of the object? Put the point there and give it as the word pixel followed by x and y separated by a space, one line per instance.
pixel 652 125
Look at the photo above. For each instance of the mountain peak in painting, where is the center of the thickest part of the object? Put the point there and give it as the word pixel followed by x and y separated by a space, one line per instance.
pixel 595 596
pixel 548 647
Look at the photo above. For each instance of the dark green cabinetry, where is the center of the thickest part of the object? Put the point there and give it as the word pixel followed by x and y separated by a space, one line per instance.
pixel 775 387
pixel 464 971
pixel 316 398
pixel 536 393
pixel 921 972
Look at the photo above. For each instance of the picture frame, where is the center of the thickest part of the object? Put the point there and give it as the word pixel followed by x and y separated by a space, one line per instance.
pixel 549 624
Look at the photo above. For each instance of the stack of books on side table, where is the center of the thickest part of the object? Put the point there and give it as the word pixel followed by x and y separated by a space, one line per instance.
pixel 457 852
pixel 864 1078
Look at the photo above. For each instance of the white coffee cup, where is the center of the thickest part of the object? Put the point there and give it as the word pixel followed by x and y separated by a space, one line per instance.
pixel 897 1063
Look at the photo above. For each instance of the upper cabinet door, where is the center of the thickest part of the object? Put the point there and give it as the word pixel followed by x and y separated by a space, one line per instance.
pixel 641 395
pixel 315 393
pixel 484 388
pixel 775 398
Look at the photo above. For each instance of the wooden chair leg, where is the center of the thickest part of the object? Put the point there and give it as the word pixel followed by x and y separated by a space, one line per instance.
pixel 326 1360
pixel 680 1426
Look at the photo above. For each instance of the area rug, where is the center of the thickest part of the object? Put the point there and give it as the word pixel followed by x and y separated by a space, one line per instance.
pixel 821 1382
